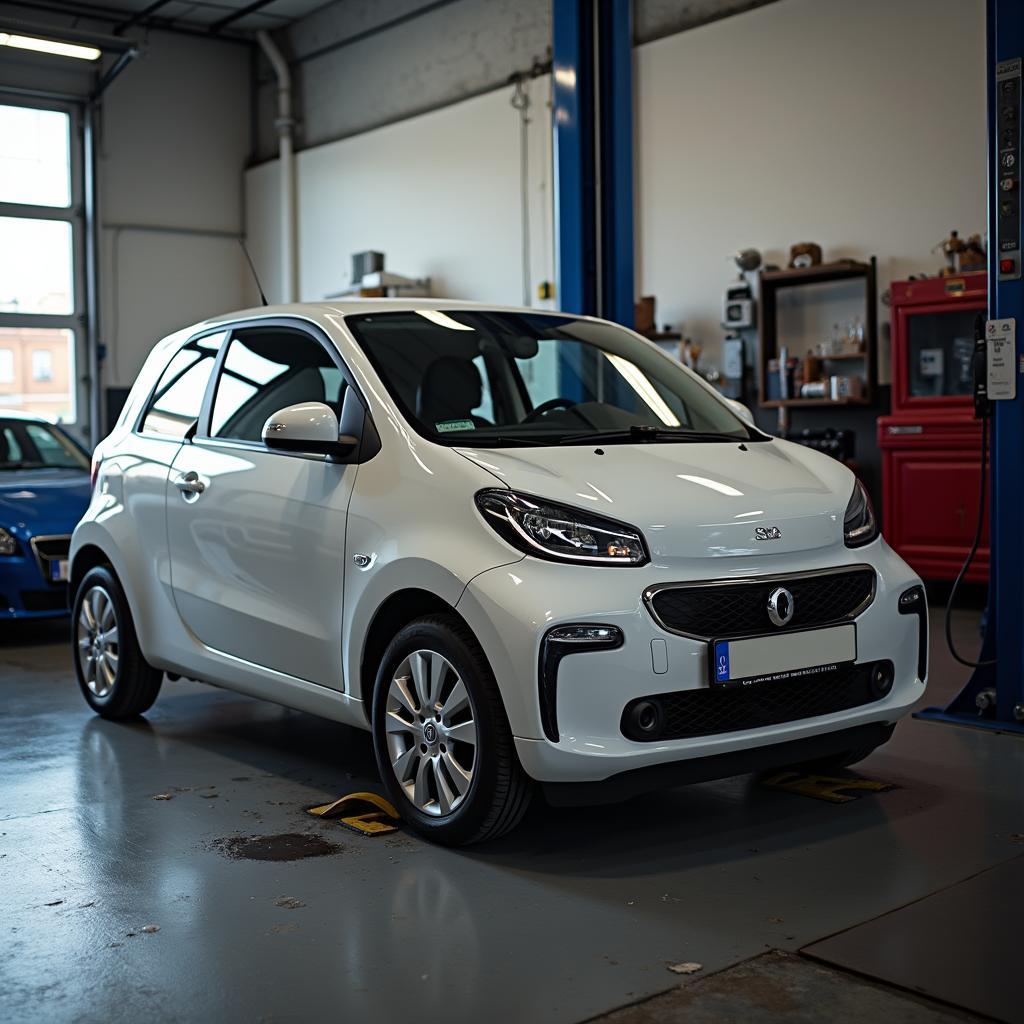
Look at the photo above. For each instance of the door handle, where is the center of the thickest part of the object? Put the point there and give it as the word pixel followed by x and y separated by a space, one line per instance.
pixel 190 484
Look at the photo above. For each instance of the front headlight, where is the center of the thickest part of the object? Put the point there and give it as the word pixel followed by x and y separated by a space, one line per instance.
pixel 560 533
pixel 859 524
pixel 8 545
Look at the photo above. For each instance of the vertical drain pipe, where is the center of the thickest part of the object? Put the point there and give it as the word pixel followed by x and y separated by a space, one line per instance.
pixel 285 125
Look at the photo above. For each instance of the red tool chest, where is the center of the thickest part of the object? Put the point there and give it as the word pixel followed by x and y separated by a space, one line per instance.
pixel 931 442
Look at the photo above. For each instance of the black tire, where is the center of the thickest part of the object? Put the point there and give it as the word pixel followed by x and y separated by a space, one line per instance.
pixel 499 791
pixel 135 683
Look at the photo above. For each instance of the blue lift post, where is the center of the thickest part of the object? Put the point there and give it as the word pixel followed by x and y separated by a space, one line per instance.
pixel 1004 636
pixel 592 65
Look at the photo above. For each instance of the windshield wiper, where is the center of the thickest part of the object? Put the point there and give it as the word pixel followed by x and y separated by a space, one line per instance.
pixel 21 465
pixel 492 440
pixel 642 433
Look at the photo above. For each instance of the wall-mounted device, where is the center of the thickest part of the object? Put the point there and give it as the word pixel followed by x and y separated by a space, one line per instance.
pixel 737 306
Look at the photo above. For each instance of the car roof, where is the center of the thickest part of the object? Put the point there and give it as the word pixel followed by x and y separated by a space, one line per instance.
pixel 29 417
pixel 355 305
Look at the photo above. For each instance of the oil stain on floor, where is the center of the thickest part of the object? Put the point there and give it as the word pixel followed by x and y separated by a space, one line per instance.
pixel 284 847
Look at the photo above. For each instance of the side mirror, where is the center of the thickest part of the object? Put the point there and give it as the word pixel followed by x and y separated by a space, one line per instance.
pixel 741 410
pixel 309 427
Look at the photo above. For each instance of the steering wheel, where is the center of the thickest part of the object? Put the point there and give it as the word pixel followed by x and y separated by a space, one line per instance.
pixel 548 406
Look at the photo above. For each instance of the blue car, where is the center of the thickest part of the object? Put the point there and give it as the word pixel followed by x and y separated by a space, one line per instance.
pixel 44 491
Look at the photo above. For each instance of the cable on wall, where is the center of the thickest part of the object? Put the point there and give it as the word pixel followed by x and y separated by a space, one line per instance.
pixel 521 102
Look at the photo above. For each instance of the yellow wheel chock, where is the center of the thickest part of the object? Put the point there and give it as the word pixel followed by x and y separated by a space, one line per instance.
pixel 824 787
pixel 367 822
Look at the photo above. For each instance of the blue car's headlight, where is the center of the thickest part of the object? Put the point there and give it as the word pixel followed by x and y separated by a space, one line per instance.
pixel 8 545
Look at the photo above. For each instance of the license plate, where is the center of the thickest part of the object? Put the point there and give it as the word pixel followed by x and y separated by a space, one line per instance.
pixel 59 570
pixel 763 659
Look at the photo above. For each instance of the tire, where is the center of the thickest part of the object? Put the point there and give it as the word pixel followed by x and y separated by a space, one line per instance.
pixel 115 679
pixel 431 739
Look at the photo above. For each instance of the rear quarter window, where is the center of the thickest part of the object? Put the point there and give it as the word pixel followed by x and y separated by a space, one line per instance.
pixel 177 398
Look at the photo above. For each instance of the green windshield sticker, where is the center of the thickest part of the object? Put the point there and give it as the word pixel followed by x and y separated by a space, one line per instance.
pixel 448 426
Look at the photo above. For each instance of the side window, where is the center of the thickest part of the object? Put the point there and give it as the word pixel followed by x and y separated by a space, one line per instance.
pixel 178 396
pixel 266 369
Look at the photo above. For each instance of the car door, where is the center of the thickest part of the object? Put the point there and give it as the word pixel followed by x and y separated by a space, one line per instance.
pixel 257 537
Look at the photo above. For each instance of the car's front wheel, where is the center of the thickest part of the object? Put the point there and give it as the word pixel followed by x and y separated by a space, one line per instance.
pixel 116 680
pixel 442 740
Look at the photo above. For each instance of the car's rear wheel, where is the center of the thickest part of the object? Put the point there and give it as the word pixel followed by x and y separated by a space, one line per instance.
pixel 442 740
pixel 116 680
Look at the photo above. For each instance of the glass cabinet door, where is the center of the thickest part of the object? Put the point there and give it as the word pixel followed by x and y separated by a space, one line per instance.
pixel 939 350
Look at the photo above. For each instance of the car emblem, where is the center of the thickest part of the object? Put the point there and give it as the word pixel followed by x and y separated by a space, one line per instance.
pixel 780 606
pixel 767 533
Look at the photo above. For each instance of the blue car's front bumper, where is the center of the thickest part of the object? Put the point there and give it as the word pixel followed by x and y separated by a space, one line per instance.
pixel 28 589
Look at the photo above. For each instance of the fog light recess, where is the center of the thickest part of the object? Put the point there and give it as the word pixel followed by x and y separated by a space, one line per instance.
pixel 882 675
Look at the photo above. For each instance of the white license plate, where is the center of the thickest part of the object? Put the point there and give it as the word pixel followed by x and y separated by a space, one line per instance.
pixel 784 656
pixel 59 570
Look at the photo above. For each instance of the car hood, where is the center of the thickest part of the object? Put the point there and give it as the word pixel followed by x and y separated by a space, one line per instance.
pixel 43 501
pixel 693 500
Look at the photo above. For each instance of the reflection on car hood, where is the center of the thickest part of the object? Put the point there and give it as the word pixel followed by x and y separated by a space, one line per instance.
pixel 43 501
pixel 692 500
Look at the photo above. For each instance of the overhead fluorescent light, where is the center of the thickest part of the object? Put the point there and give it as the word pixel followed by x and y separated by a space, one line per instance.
pixel 54 46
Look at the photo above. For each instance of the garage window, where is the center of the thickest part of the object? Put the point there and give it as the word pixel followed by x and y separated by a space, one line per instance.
pixel 40 275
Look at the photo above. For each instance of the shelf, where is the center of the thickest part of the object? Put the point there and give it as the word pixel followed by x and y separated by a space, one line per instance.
pixel 844 270
pixel 772 282
pixel 791 403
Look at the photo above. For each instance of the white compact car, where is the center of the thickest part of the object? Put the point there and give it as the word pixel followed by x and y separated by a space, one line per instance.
pixel 520 547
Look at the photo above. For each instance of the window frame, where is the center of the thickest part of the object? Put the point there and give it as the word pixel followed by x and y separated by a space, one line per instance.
pixel 202 436
pixel 74 215
pixel 147 406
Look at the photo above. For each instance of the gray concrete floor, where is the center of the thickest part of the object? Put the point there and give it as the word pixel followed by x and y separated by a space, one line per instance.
pixel 575 914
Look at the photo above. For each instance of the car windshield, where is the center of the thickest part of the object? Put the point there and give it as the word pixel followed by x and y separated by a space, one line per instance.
pixel 28 445
pixel 474 377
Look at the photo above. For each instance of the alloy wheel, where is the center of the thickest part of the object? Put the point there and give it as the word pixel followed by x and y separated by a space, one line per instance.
pixel 431 733
pixel 98 648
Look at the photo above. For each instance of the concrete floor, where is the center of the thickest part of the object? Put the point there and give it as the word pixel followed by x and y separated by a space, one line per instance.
pixel 115 905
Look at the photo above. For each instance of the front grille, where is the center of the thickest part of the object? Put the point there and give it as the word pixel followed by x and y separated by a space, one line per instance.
pixel 738 608
pixel 52 547
pixel 54 599
pixel 709 711
pixel 49 550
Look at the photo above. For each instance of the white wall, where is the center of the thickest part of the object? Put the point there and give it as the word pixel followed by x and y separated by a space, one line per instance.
pixel 438 194
pixel 860 126
pixel 173 144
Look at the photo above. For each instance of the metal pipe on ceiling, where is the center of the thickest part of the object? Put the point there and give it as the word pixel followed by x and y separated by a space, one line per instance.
pixel 285 125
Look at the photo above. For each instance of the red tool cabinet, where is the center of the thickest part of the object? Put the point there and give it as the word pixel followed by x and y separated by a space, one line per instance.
pixel 931 442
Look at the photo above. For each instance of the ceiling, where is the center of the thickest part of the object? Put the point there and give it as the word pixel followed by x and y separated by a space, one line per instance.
pixel 230 16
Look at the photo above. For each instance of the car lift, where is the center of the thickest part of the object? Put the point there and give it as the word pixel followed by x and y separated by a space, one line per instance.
pixel 1001 668
pixel 592 66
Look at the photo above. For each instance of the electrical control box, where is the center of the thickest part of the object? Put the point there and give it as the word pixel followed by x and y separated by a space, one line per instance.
pixel 1007 183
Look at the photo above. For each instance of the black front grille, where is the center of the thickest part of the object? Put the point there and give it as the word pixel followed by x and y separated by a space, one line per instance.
pixel 709 711
pixel 739 608
pixel 52 547
pixel 54 599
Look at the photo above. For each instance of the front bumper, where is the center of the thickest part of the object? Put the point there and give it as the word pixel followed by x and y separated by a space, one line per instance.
pixel 511 608
pixel 25 591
